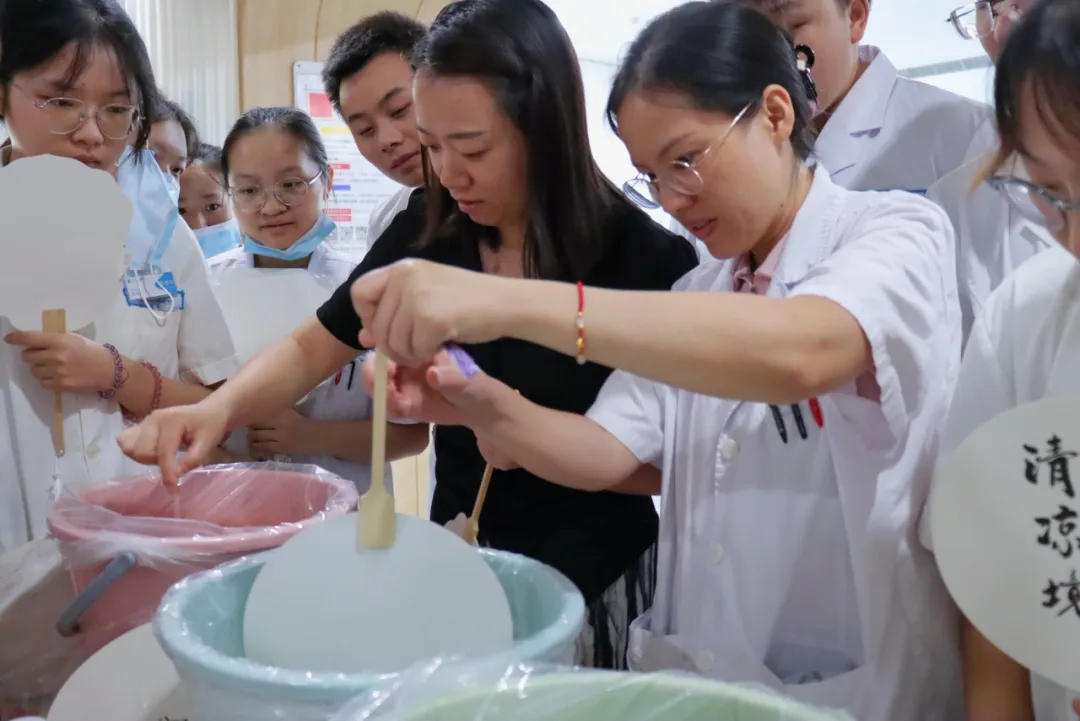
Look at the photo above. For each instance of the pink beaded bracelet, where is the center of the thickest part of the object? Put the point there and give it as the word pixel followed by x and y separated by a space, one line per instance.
pixel 119 376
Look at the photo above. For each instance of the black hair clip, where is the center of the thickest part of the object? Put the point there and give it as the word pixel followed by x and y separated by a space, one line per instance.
pixel 804 61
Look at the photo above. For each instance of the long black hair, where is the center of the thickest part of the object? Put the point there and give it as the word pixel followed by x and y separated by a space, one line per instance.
pixel 33 32
pixel 719 57
pixel 1041 60
pixel 519 48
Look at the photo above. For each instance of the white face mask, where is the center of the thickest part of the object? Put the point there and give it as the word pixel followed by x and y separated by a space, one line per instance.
pixel 221 238
pixel 155 202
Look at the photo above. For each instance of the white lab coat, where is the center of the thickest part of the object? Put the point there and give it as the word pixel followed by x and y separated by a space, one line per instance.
pixel 342 397
pixel 1025 346
pixel 192 344
pixel 385 212
pixel 779 560
pixel 992 238
pixel 893 133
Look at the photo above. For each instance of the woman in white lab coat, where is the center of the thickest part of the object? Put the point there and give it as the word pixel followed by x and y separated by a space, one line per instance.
pixel 796 422
pixel 76 81
pixel 878 130
pixel 279 177
pixel 1026 344
pixel 992 238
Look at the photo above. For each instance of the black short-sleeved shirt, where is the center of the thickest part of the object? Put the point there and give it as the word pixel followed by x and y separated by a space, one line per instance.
pixel 593 538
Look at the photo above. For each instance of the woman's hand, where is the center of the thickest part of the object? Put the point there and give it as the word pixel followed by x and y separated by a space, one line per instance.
pixel 289 432
pixel 492 456
pixel 436 391
pixel 413 308
pixel 159 439
pixel 65 362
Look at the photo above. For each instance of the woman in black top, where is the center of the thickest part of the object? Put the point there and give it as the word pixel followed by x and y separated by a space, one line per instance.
pixel 512 190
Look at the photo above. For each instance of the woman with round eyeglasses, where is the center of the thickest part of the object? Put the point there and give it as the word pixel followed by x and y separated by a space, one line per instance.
pixel 76 82
pixel 993 238
pixel 1025 346
pixel 278 175
pixel 792 390
pixel 498 87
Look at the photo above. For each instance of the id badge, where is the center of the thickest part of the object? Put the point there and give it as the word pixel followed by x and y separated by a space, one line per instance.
pixel 156 290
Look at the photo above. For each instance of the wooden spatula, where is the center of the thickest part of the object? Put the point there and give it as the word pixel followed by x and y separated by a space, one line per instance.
pixel 55 321
pixel 472 526
pixel 376 517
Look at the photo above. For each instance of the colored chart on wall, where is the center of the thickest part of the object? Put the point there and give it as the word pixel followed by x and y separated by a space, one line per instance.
pixel 358 186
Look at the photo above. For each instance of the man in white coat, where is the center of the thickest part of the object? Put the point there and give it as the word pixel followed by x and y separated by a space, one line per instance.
pixel 368 77
pixel 992 237
pixel 877 130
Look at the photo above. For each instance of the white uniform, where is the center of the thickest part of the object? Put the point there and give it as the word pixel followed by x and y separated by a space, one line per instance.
pixel 342 397
pixel 385 212
pixel 795 564
pixel 893 133
pixel 1024 347
pixel 192 344
pixel 992 238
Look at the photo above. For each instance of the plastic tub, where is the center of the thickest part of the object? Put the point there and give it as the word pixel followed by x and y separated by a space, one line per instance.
pixel 126 542
pixel 200 626
pixel 597 696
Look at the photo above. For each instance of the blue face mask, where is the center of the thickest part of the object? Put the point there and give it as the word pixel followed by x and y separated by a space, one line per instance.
pixel 155 200
pixel 221 238
pixel 300 249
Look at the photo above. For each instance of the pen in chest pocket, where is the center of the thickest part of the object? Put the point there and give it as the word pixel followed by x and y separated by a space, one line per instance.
pixel 340 375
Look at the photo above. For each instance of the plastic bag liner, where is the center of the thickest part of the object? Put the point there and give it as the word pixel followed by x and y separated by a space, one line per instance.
pixel 200 627
pixel 487 692
pixel 120 545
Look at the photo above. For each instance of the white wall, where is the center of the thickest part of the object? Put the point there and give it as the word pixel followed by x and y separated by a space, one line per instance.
pixel 194 49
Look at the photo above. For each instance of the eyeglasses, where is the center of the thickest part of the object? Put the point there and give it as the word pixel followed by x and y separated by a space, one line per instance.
pixel 289 192
pixel 1035 202
pixel 979 19
pixel 681 175
pixel 63 116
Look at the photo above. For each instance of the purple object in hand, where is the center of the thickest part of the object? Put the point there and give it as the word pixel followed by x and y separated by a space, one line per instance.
pixel 463 360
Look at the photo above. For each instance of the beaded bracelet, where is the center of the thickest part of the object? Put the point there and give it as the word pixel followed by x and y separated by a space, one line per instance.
pixel 155 400
pixel 119 376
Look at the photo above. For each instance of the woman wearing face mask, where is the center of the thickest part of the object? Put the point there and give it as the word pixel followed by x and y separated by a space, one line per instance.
pixel 76 82
pixel 1025 347
pixel 504 204
pixel 173 137
pixel 279 177
pixel 792 393
pixel 203 204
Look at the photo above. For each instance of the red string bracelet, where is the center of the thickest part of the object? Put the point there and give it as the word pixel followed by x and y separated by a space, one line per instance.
pixel 580 323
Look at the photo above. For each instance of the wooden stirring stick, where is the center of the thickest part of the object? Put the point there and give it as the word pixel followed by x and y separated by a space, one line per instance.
pixel 55 321
pixel 376 517
pixel 472 526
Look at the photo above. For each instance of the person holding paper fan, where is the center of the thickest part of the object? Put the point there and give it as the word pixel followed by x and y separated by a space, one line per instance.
pixel 1024 347
pixel 203 204
pixel 792 390
pixel 76 82
pixel 277 171
pixel 514 191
